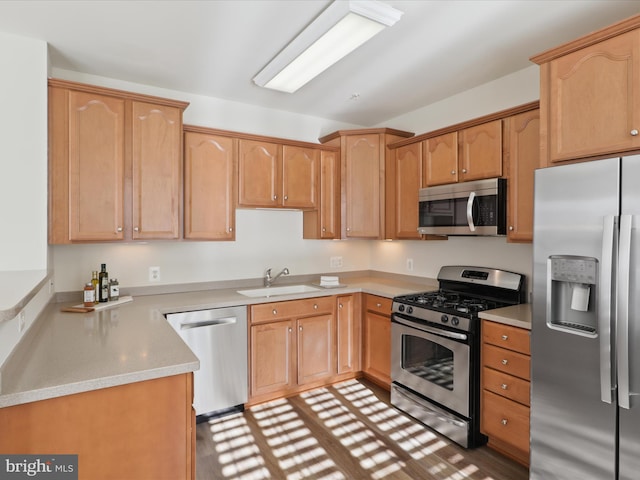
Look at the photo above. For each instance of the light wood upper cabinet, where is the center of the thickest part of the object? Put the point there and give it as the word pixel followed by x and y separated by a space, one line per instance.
pixel 402 196
pixel 522 158
pixel 95 174
pixel 324 222
pixel 590 94
pixel 115 165
pixel 481 151
pixel 363 161
pixel 276 175
pixel 157 171
pixel 300 175
pixel 440 160
pixel 259 173
pixel 210 178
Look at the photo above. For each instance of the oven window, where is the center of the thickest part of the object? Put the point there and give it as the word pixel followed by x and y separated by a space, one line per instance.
pixel 428 360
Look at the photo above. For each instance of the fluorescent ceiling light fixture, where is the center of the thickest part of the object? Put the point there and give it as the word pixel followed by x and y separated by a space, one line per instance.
pixel 341 28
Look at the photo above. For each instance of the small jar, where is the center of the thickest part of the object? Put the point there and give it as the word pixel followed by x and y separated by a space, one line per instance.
pixel 89 295
pixel 114 289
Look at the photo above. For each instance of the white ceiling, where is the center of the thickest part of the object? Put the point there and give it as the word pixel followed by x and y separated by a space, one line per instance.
pixel 215 47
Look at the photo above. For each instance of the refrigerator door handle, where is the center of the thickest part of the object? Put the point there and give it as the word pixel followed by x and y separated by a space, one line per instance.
pixel 605 311
pixel 472 197
pixel 622 313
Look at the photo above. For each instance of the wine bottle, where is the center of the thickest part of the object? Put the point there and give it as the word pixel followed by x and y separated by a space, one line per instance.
pixel 103 278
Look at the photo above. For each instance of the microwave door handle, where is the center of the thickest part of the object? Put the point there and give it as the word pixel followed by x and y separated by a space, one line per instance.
pixel 472 197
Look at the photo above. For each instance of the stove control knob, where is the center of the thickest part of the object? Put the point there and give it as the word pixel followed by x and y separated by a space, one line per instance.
pixel 444 318
pixel 401 308
pixel 455 321
pixel 409 310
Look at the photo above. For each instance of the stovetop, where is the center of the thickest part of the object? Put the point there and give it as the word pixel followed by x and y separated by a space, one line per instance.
pixel 450 302
pixel 464 292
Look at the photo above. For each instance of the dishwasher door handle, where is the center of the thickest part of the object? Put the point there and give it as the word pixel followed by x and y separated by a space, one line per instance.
pixel 209 323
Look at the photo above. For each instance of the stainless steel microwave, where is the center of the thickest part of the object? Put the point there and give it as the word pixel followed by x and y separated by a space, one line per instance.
pixel 467 208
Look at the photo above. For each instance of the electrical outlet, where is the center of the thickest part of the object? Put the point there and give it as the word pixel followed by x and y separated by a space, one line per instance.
pixel 21 322
pixel 335 262
pixel 410 264
pixel 154 274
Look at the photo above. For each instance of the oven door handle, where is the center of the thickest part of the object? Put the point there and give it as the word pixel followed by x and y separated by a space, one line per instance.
pixel 429 410
pixel 426 328
pixel 472 197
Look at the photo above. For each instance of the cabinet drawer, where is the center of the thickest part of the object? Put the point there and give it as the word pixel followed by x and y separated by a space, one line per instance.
pixel 506 385
pixel 268 312
pixel 506 336
pixel 505 420
pixel 506 361
pixel 377 304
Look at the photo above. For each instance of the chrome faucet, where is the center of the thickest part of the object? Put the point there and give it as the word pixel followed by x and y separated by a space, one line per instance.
pixel 268 279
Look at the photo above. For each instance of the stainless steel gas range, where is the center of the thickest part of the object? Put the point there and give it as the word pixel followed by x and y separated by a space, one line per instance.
pixel 435 348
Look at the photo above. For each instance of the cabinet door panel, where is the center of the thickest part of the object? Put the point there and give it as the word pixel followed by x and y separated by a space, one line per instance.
pixel 315 348
pixel 329 195
pixel 210 179
pixel 272 357
pixel 594 99
pixel 157 171
pixel 363 186
pixel 377 346
pixel 441 160
pixel 481 155
pixel 300 171
pixel 524 158
pixel 96 167
pixel 348 335
pixel 259 174
pixel 408 173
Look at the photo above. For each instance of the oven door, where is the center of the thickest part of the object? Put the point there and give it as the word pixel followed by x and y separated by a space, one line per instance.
pixel 433 363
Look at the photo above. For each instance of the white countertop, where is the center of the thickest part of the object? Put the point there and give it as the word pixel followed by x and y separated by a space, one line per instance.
pixel 514 315
pixel 67 353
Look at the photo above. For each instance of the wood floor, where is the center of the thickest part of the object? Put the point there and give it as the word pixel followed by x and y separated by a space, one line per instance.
pixel 345 431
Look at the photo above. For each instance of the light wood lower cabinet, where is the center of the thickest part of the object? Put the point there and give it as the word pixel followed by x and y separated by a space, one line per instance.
pixel 143 430
pixel 292 346
pixel 349 336
pixel 506 367
pixel 377 339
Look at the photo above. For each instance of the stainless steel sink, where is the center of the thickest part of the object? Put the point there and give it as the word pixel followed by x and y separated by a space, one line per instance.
pixel 273 291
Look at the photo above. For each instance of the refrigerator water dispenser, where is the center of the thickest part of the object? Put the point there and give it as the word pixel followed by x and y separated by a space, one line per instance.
pixel 571 284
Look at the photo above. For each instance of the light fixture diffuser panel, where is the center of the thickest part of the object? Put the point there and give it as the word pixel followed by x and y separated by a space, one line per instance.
pixel 340 29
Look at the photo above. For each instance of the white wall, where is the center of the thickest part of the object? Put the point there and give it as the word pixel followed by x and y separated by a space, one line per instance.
pixel 23 153
pixel 274 238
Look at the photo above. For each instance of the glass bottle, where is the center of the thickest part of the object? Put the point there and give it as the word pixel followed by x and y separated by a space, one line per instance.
pixel 89 295
pixel 96 286
pixel 114 289
pixel 103 277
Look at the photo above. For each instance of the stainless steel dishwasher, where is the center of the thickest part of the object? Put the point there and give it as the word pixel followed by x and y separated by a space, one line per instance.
pixel 218 337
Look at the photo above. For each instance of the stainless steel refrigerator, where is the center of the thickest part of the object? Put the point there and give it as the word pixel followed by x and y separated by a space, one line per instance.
pixel 585 338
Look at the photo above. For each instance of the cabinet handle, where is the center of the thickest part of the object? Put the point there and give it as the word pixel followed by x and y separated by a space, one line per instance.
pixel 119 229
pixel 505 361
pixel 378 305
pixel 290 330
pixel 348 229
pixel 275 312
pixel 136 229
pixel 275 197
pixel 505 337
pixel 504 386
pixel 339 305
pixel 634 132
pixel 511 228
pixel 300 327
pixel 286 197
pixel 504 421
pixel 464 170
pixel 453 172
pixel 315 306
pixel 230 229
pixel 324 229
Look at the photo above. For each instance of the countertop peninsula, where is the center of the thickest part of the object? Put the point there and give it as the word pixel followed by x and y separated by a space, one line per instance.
pixel 67 353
